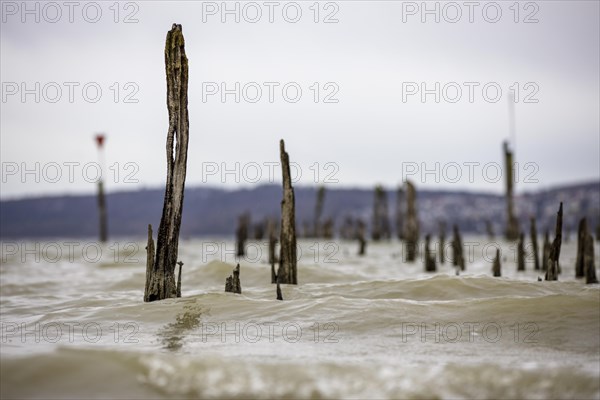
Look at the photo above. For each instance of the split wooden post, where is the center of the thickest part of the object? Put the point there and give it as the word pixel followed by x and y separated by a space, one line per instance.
pixel 521 253
pixel 287 272
pixel 161 283
pixel 411 227
pixel 534 243
pixel 553 264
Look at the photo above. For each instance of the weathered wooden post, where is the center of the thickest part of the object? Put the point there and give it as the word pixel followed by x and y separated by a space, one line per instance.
pixel 534 244
pixel 287 272
pixel 545 251
pixel 327 229
pixel 458 259
pixel 400 213
pixel 232 283
pixel 241 234
pixel 411 227
pixel 442 250
pixel 497 268
pixel 553 257
pixel 318 212
pixel 179 279
pixel 430 265
pixel 489 228
pixel 512 225
pixel 161 283
pixel 521 253
pixel 582 233
pixel 360 235
pixel 278 291
pixel 259 230
pixel 272 242
pixel 588 259
pixel 381 224
pixel 101 198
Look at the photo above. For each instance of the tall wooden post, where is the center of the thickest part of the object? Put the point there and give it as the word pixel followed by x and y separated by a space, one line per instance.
pixel 287 272
pixel 458 258
pixel 588 259
pixel 411 227
pixel 442 250
pixel 360 235
pixel 101 199
pixel 553 257
pixel 521 253
pixel 317 231
pixel 512 225
pixel 545 251
pixel 400 213
pixel 534 243
pixel 241 234
pixel 582 233
pixel 430 265
pixel 162 275
pixel 381 223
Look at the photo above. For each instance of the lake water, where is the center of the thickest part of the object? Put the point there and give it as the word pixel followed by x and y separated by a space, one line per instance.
pixel 74 325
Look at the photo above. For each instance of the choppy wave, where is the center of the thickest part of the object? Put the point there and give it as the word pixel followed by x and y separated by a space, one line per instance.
pixel 373 327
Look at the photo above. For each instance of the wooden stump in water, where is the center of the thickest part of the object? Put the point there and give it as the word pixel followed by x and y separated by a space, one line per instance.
pixel 179 279
pixel 521 253
pixel 232 283
pixel 272 242
pixel 582 233
pixel 430 265
pixel 489 229
pixel 545 251
pixel 241 234
pixel 360 235
pixel 458 259
pixel 497 268
pixel 588 258
pixel 442 250
pixel 317 229
pixel 534 244
pixel 512 225
pixel 381 223
pixel 400 213
pixel 279 295
pixel 161 282
pixel 287 272
pixel 553 257
pixel 411 227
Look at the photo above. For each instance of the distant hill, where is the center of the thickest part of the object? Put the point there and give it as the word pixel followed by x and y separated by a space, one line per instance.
pixel 212 211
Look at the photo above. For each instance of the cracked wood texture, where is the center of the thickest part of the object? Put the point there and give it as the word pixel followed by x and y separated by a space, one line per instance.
pixel 161 283
pixel 287 272
pixel 553 265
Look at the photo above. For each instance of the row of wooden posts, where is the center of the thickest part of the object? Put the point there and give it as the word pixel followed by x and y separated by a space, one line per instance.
pixel 162 260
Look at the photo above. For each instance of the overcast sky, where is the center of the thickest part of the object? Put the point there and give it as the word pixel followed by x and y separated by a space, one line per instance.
pixel 369 63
